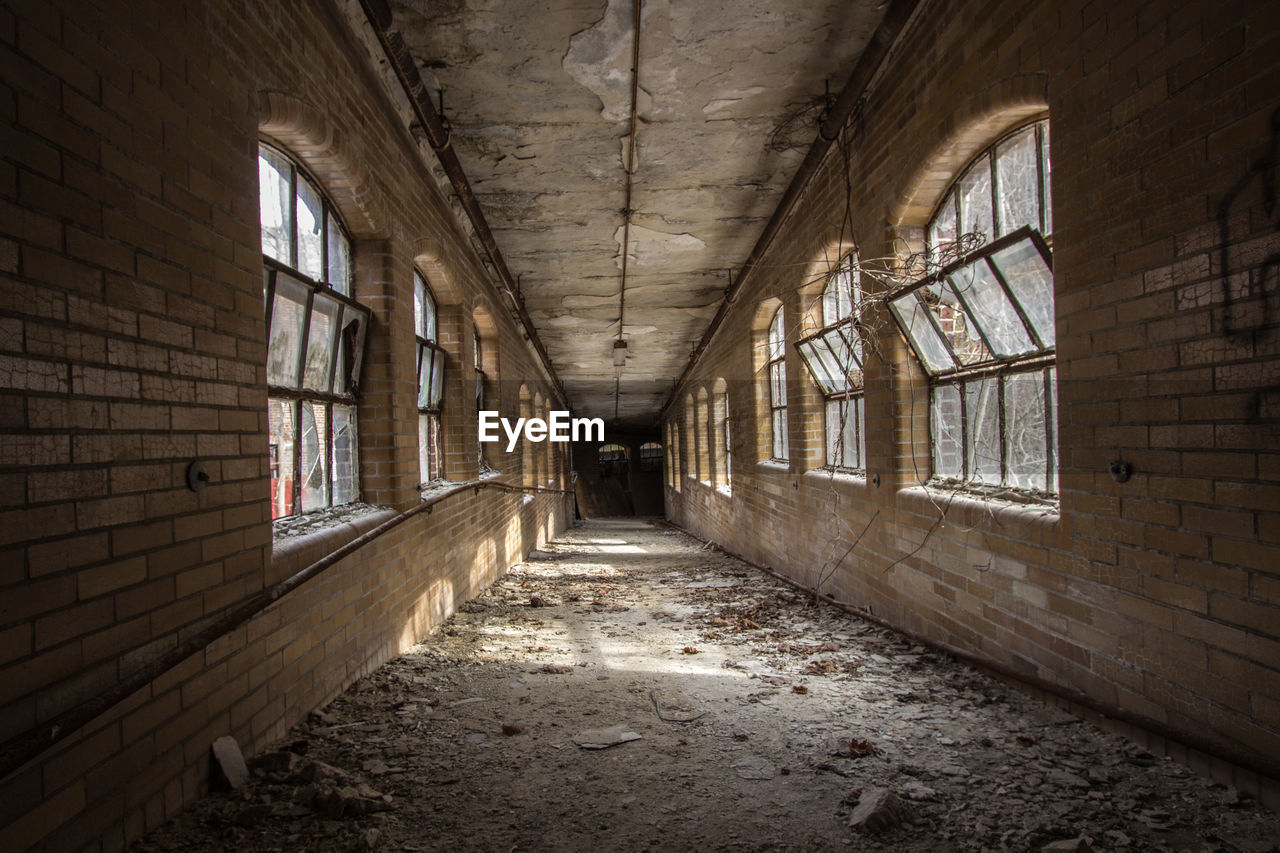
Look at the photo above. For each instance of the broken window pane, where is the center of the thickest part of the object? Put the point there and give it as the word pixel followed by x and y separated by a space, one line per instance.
pixel 325 312
pixel 992 309
pixel 956 324
pixel 339 257
pixel 1047 208
pixel 913 316
pixel 779 433
pixel 948 441
pixel 982 427
pixel 314 458
pixel 345 480
pixel 1031 282
pixel 284 347
pixel 942 230
pixel 310 213
pixel 274 204
pixel 1018 178
pixel 282 433
pixel 975 200
pixel 1026 447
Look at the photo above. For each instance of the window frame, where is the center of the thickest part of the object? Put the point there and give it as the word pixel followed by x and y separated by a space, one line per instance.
pixel 431 361
pixel 1002 368
pixel 647 460
pixel 840 380
pixel 344 353
pixel 776 382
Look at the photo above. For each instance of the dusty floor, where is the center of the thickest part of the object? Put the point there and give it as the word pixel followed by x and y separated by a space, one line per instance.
pixel 470 741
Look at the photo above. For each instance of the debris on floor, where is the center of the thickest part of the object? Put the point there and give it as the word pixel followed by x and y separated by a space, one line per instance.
pixel 587 722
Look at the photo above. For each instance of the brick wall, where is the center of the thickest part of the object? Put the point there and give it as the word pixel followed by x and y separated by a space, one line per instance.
pixel 132 341
pixel 1157 595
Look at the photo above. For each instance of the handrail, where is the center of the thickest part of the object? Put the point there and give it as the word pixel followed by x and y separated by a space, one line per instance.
pixel 18 750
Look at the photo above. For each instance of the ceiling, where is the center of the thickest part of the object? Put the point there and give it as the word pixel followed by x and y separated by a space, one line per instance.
pixel 538 97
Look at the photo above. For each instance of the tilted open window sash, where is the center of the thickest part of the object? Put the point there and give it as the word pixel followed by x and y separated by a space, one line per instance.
pixel 992 308
pixel 316 339
pixel 983 330
pixel 431 360
pixel 833 357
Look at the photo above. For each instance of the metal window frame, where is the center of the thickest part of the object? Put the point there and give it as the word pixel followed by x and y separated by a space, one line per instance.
pixel 326 210
pixel 774 406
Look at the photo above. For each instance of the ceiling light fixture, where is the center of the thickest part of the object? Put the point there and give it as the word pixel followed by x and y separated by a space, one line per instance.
pixel 619 353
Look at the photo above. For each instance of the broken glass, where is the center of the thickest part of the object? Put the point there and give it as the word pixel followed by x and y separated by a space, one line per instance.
pixel 310 228
pixel 913 318
pixel 992 310
pixel 942 230
pixel 1031 282
pixel 274 205
pixel 284 347
pixel 314 457
pixel 325 313
pixel 948 440
pixel 282 432
pixel 338 255
pixel 345 471
pixel 982 425
pixel 1026 439
pixel 975 200
pixel 1018 177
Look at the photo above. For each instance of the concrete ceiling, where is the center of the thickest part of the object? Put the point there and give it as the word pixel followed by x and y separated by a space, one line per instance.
pixel 538 95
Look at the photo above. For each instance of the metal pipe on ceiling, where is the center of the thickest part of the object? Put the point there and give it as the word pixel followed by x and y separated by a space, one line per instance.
pixel 878 46
pixel 626 206
pixel 397 52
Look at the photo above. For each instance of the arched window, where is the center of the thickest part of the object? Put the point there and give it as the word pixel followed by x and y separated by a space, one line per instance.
pixel 613 460
pixel 776 369
pixel 702 425
pixel 983 325
pixel 315 342
pixel 431 360
pixel 720 436
pixel 650 456
pixel 834 357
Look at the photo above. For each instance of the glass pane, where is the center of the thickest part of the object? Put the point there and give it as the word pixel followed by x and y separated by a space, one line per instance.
pixel 975 199
pixel 339 256
pixel 1026 448
pixel 285 345
pixel 315 456
pixel 851 426
pixel 992 309
pixel 1044 169
pixel 425 356
pixel 822 366
pixel 777 384
pixel 325 313
pixel 1051 421
pixel 777 337
pixel 846 359
pixel 1019 181
pixel 837 299
pixel 833 434
pixel 282 435
pixel 419 308
pixel 853 339
pixel 1031 282
pixel 424 448
pixel 428 324
pixel 929 347
pixel 861 422
pixel 956 324
pixel 948 444
pixel 982 436
pixel 310 238
pixel 346 476
pixel 942 229
pixel 273 204
pixel 437 380
pixel 779 433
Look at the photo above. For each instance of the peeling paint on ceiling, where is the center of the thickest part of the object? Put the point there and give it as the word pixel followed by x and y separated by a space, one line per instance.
pixel 538 97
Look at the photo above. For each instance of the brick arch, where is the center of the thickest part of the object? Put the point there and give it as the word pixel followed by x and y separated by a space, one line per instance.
pixel 308 135
pixel 963 132
pixel 428 255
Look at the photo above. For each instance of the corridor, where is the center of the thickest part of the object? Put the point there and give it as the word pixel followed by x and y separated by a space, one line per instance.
pixel 631 688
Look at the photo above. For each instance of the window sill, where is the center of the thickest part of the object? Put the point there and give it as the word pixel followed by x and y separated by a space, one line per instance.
pixel 298 542
pixel 828 474
pixel 975 509
pixel 781 466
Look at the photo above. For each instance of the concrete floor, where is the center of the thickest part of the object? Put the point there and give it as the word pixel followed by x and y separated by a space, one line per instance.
pixel 749 718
